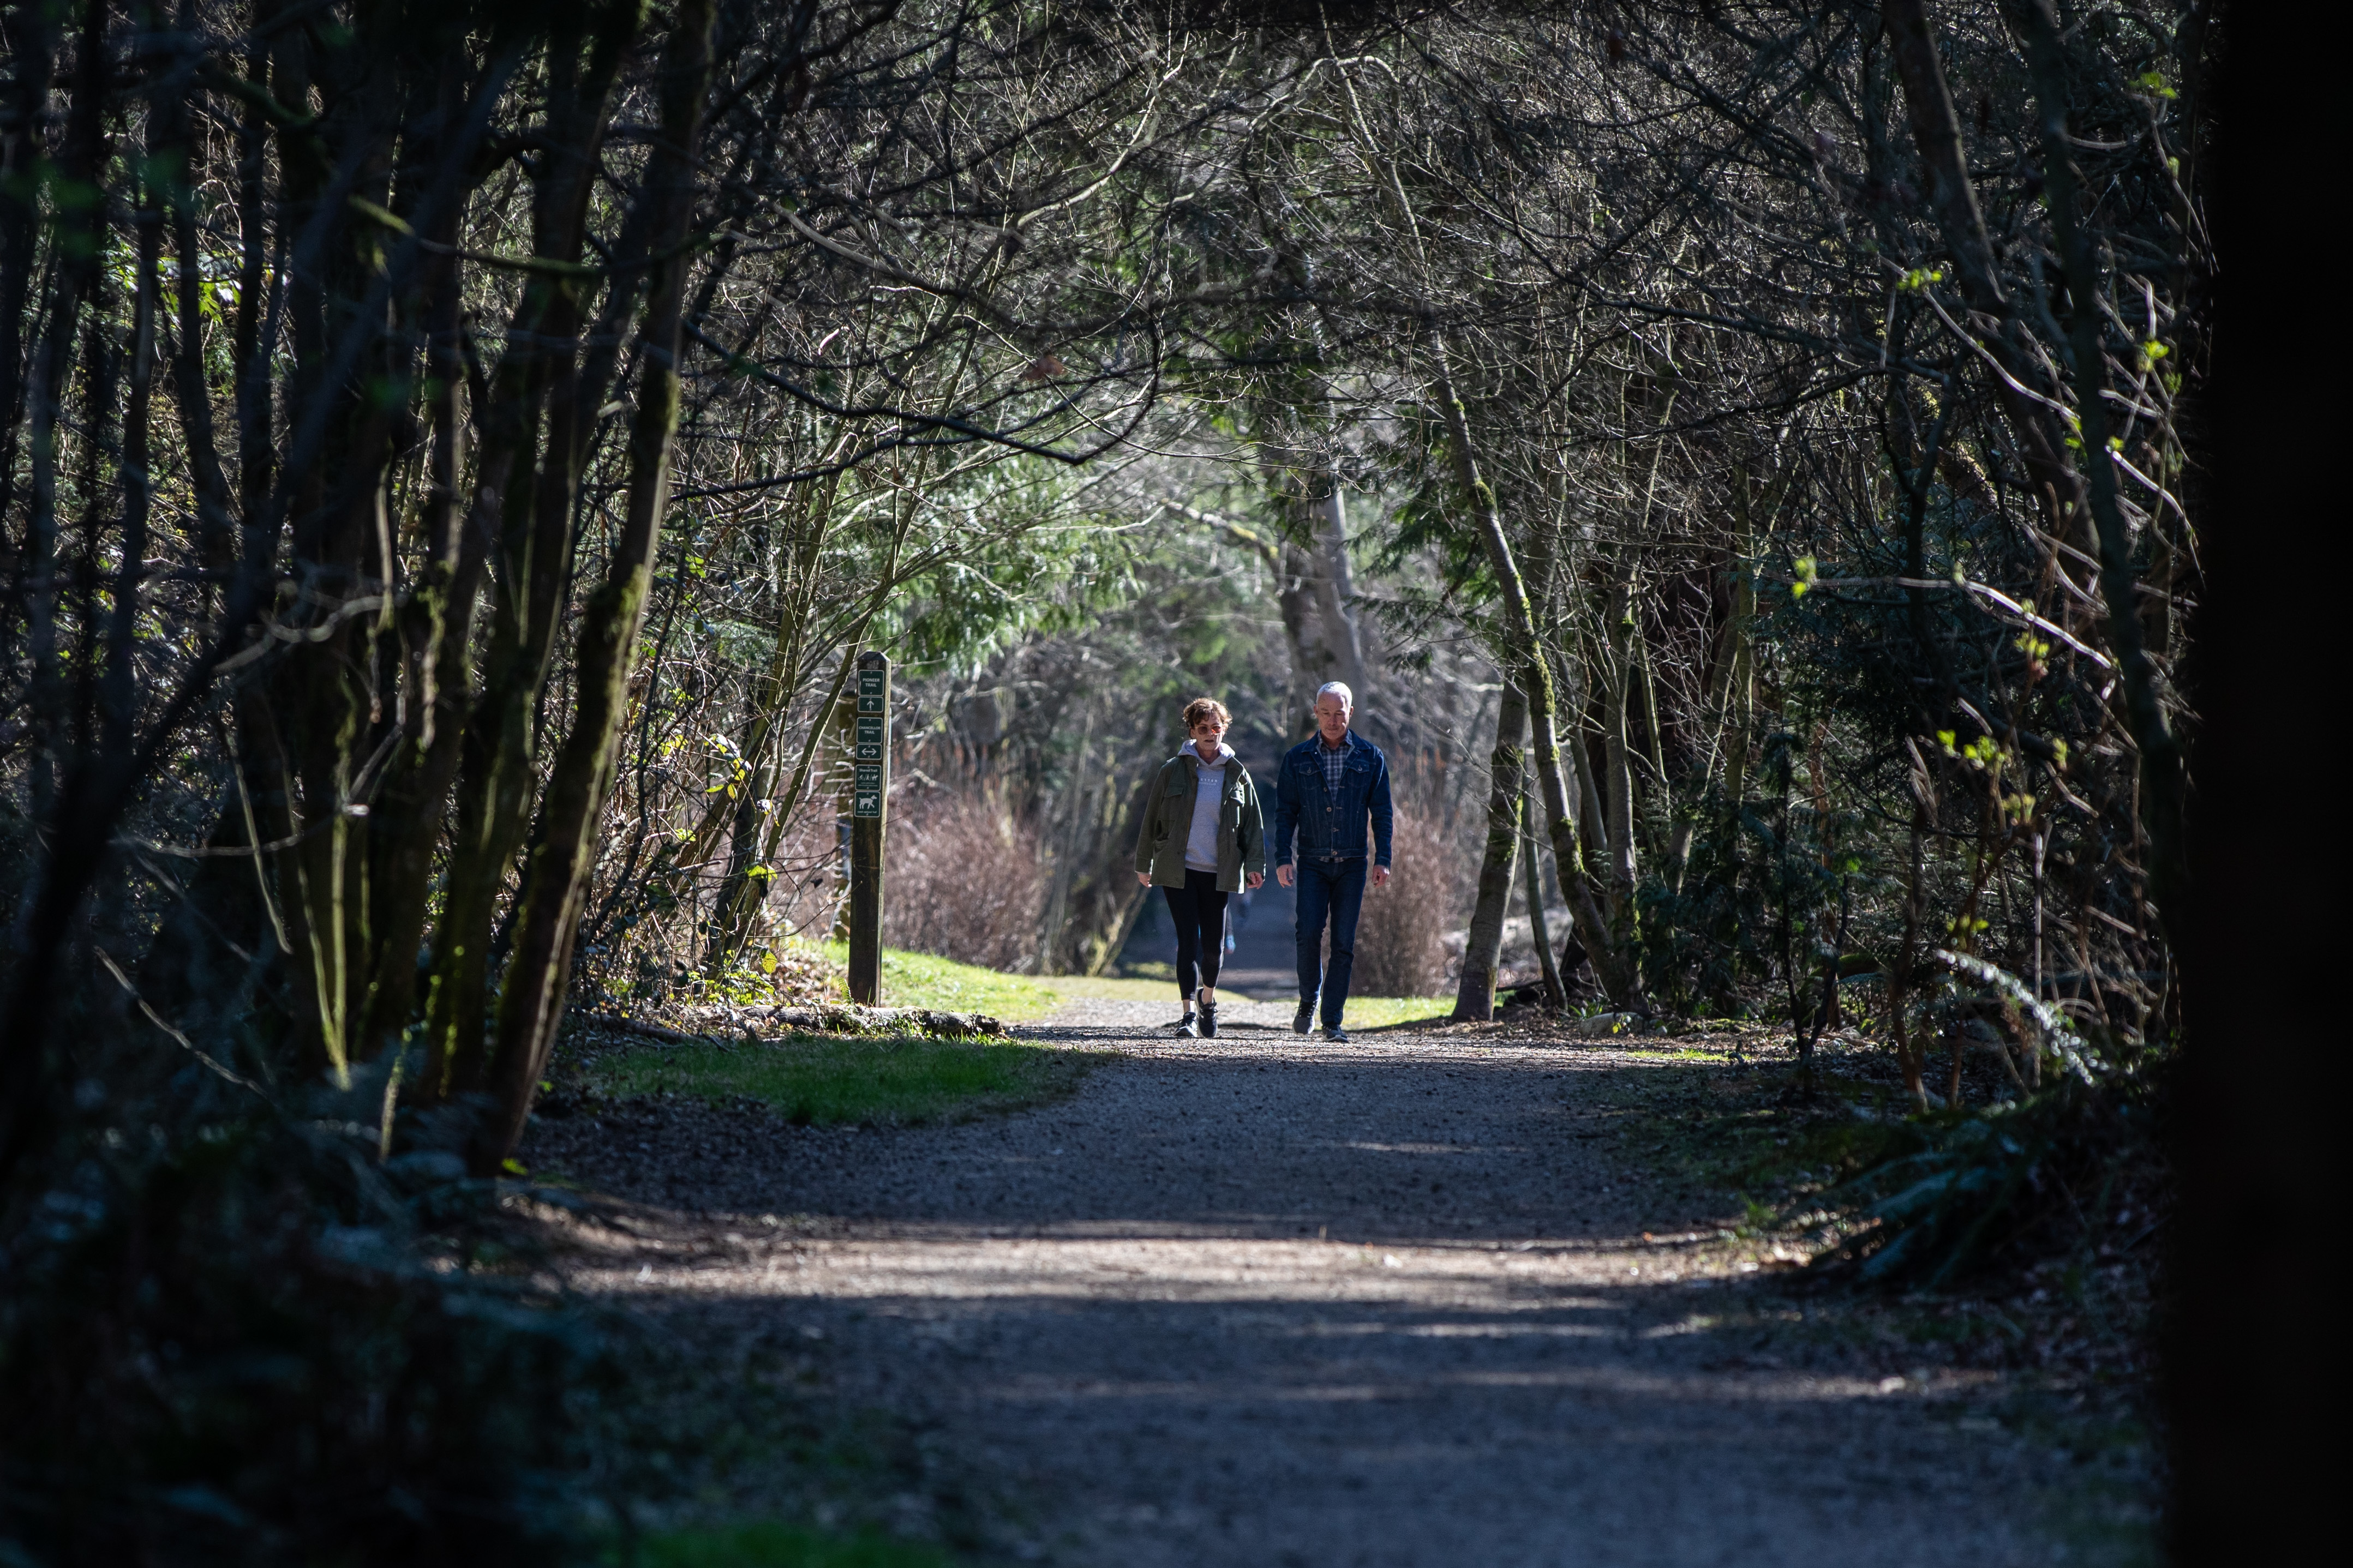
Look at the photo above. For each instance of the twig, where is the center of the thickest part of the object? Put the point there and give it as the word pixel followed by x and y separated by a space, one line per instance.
pixel 160 1022
pixel 2069 1046
pixel 1995 595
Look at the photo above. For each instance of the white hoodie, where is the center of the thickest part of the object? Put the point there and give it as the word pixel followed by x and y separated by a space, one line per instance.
pixel 1208 789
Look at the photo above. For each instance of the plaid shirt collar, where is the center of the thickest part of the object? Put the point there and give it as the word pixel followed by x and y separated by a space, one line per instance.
pixel 1335 760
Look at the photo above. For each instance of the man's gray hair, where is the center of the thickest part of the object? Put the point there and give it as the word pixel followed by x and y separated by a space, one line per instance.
pixel 1338 688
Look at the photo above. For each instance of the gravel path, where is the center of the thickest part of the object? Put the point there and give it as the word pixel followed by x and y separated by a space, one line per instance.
pixel 1263 1299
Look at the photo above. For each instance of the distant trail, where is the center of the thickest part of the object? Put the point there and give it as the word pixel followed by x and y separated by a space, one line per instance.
pixel 1265 1300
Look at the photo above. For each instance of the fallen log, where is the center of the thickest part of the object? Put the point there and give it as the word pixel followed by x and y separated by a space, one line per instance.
pixel 723 1022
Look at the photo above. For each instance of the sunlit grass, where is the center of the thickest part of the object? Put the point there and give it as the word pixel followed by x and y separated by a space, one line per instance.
pixel 1109 988
pixel 1380 1012
pixel 926 980
pixel 892 1078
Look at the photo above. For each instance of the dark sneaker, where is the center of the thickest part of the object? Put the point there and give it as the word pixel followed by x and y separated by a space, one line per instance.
pixel 1209 1020
pixel 1336 1035
pixel 1304 1020
pixel 1190 1028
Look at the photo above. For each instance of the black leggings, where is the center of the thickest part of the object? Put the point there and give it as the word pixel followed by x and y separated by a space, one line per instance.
pixel 1200 911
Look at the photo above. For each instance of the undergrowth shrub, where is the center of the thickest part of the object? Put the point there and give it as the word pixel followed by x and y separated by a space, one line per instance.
pixel 1400 938
pixel 2005 1186
pixel 965 878
pixel 232 1348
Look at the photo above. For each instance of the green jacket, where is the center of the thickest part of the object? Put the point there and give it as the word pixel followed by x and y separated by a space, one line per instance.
pixel 1168 820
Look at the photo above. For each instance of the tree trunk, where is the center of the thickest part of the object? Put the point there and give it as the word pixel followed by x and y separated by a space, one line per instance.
pixel 1740 696
pixel 1618 756
pixel 1937 137
pixel 1312 577
pixel 1103 899
pixel 76 832
pixel 29 31
pixel 1725 699
pixel 1474 994
pixel 1312 663
pixel 530 999
pixel 437 630
pixel 1335 583
pixel 532 406
pixel 1539 923
pixel 1066 854
pixel 1579 746
pixel 1612 959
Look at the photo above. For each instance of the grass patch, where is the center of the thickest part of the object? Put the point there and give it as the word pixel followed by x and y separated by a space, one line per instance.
pixel 767 1544
pixel 1110 988
pixel 927 980
pixel 819 1081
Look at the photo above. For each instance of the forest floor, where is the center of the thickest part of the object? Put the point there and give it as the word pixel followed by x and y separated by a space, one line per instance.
pixel 1442 1295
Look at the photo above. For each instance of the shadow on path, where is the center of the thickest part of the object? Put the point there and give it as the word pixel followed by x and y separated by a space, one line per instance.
pixel 1256 1300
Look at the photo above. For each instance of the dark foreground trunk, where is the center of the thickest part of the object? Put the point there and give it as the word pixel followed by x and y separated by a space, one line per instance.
pixel 2257 1130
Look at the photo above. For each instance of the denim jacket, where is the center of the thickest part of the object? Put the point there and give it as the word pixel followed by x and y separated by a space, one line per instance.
pixel 1331 829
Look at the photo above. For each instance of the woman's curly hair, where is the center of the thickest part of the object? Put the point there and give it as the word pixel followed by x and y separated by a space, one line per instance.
pixel 1202 708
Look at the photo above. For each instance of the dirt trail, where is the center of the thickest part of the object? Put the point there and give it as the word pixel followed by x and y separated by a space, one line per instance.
pixel 1263 1299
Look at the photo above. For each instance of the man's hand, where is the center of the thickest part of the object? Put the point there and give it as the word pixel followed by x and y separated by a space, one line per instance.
pixel 1144 878
pixel 1256 880
pixel 1283 875
pixel 1380 875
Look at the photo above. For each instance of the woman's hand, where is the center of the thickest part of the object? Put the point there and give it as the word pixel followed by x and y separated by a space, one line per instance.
pixel 1255 879
pixel 1144 878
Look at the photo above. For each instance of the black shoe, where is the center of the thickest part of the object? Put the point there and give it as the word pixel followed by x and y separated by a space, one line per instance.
pixel 1336 1035
pixel 1190 1028
pixel 1304 1020
pixel 1209 1020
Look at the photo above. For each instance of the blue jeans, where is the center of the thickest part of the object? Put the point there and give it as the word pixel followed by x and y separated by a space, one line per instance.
pixel 1333 891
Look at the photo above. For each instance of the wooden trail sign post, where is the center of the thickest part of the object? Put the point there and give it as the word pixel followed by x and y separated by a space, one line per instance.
pixel 869 799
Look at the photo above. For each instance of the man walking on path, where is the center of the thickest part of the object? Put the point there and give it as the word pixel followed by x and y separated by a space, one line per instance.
pixel 1326 789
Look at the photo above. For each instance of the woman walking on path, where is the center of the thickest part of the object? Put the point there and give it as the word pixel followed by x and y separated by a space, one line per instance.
pixel 1202 839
